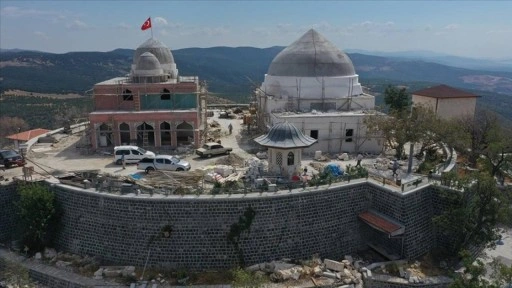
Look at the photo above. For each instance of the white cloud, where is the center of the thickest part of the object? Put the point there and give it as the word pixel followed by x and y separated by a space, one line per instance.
pixel 161 21
pixel 499 31
pixel 41 35
pixel 123 26
pixel 451 27
pixel 77 24
pixel 14 11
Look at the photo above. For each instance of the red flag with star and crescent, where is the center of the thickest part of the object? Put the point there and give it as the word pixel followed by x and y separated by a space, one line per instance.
pixel 146 25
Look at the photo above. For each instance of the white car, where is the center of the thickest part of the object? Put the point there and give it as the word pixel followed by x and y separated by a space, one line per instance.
pixel 163 162
pixel 132 154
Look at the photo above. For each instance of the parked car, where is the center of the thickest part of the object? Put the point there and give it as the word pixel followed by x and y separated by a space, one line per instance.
pixel 163 162
pixel 132 154
pixel 212 148
pixel 10 157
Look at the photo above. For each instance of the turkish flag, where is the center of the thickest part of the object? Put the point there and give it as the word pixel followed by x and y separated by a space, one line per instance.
pixel 146 24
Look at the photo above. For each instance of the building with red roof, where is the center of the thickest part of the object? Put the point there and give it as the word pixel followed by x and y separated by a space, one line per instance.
pixel 23 137
pixel 447 102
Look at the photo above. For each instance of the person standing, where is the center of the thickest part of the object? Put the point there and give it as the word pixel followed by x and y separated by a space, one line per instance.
pixel 359 158
pixel 230 128
pixel 395 167
pixel 123 160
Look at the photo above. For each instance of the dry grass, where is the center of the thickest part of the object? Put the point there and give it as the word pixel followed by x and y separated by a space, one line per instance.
pixel 21 93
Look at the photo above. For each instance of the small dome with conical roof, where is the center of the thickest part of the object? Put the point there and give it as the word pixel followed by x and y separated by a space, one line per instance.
pixel 148 65
pixel 312 55
pixel 285 135
pixel 157 48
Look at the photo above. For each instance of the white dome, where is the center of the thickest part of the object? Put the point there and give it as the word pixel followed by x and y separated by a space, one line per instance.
pixel 312 55
pixel 148 65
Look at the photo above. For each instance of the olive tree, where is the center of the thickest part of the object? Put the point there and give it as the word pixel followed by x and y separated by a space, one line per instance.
pixel 402 126
pixel 474 214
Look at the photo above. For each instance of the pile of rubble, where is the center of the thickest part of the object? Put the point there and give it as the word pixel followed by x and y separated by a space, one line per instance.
pixel 67 261
pixel 345 274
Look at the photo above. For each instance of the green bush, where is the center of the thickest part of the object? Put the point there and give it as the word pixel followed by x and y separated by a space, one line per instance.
pixel 37 211
pixel 245 279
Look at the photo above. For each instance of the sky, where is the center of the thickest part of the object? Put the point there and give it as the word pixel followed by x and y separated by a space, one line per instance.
pixel 477 29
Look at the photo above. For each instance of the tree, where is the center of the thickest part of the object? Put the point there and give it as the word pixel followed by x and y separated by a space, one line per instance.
pixel 472 220
pixel 37 211
pixel 475 271
pixel 471 135
pixel 397 99
pixel 498 152
pixel 9 126
pixel 400 127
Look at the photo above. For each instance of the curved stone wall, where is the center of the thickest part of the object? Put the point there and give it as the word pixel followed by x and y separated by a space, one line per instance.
pixel 124 230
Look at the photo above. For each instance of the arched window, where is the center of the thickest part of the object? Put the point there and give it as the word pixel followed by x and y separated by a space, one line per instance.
pixel 291 159
pixel 166 95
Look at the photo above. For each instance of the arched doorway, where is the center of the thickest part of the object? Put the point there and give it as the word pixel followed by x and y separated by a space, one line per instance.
pixel 185 133
pixel 124 133
pixel 145 135
pixel 105 135
pixel 165 134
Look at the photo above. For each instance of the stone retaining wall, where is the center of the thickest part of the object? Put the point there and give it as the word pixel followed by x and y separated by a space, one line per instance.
pixel 121 230
pixel 8 214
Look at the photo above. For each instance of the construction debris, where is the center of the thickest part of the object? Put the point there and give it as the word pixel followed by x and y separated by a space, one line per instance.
pixel 328 272
pixel 232 159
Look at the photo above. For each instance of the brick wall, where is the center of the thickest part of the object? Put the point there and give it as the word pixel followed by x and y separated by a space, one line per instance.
pixel 8 215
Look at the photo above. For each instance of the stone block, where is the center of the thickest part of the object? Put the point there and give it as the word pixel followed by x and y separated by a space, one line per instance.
pixel 329 275
pixel 334 265
pixel 349 258
pixel 127 271
pixel 253 268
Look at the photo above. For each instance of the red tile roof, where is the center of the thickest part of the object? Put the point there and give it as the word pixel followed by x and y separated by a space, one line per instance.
pixel 27 135
pixel 378 222
pixel 443 91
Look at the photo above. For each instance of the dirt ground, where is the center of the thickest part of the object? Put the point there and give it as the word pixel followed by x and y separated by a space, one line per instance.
pixel 64 156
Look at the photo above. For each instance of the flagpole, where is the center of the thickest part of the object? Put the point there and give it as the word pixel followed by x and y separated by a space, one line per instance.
pixel 151 28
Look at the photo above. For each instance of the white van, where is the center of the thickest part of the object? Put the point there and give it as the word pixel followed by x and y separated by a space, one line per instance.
pixel 132 154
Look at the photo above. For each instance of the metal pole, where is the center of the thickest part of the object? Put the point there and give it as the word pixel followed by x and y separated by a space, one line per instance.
pixel 411 152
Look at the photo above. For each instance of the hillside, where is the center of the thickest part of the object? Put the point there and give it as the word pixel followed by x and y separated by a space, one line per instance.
pixel 233 72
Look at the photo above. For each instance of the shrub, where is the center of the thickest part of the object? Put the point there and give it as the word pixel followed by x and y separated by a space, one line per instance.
pixel 245 279
pixel 37 211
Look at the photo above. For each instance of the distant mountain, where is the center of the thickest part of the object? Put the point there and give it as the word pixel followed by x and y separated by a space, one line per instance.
pixel 232 72
pixel 504 65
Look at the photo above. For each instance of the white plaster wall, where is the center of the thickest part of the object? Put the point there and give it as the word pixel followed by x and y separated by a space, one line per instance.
pixel 311 87
pixel 331 132
pixel 362 102
pixel 448 107
pixel 456 107
pixel 285 169
pixel 429 102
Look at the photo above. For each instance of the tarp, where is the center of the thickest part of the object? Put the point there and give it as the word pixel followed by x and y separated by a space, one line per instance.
pixel 333 169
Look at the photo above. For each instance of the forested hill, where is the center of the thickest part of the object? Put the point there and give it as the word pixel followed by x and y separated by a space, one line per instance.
pixel 233 72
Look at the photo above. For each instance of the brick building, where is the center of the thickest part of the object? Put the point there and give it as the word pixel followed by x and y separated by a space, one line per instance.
pixel 153 106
